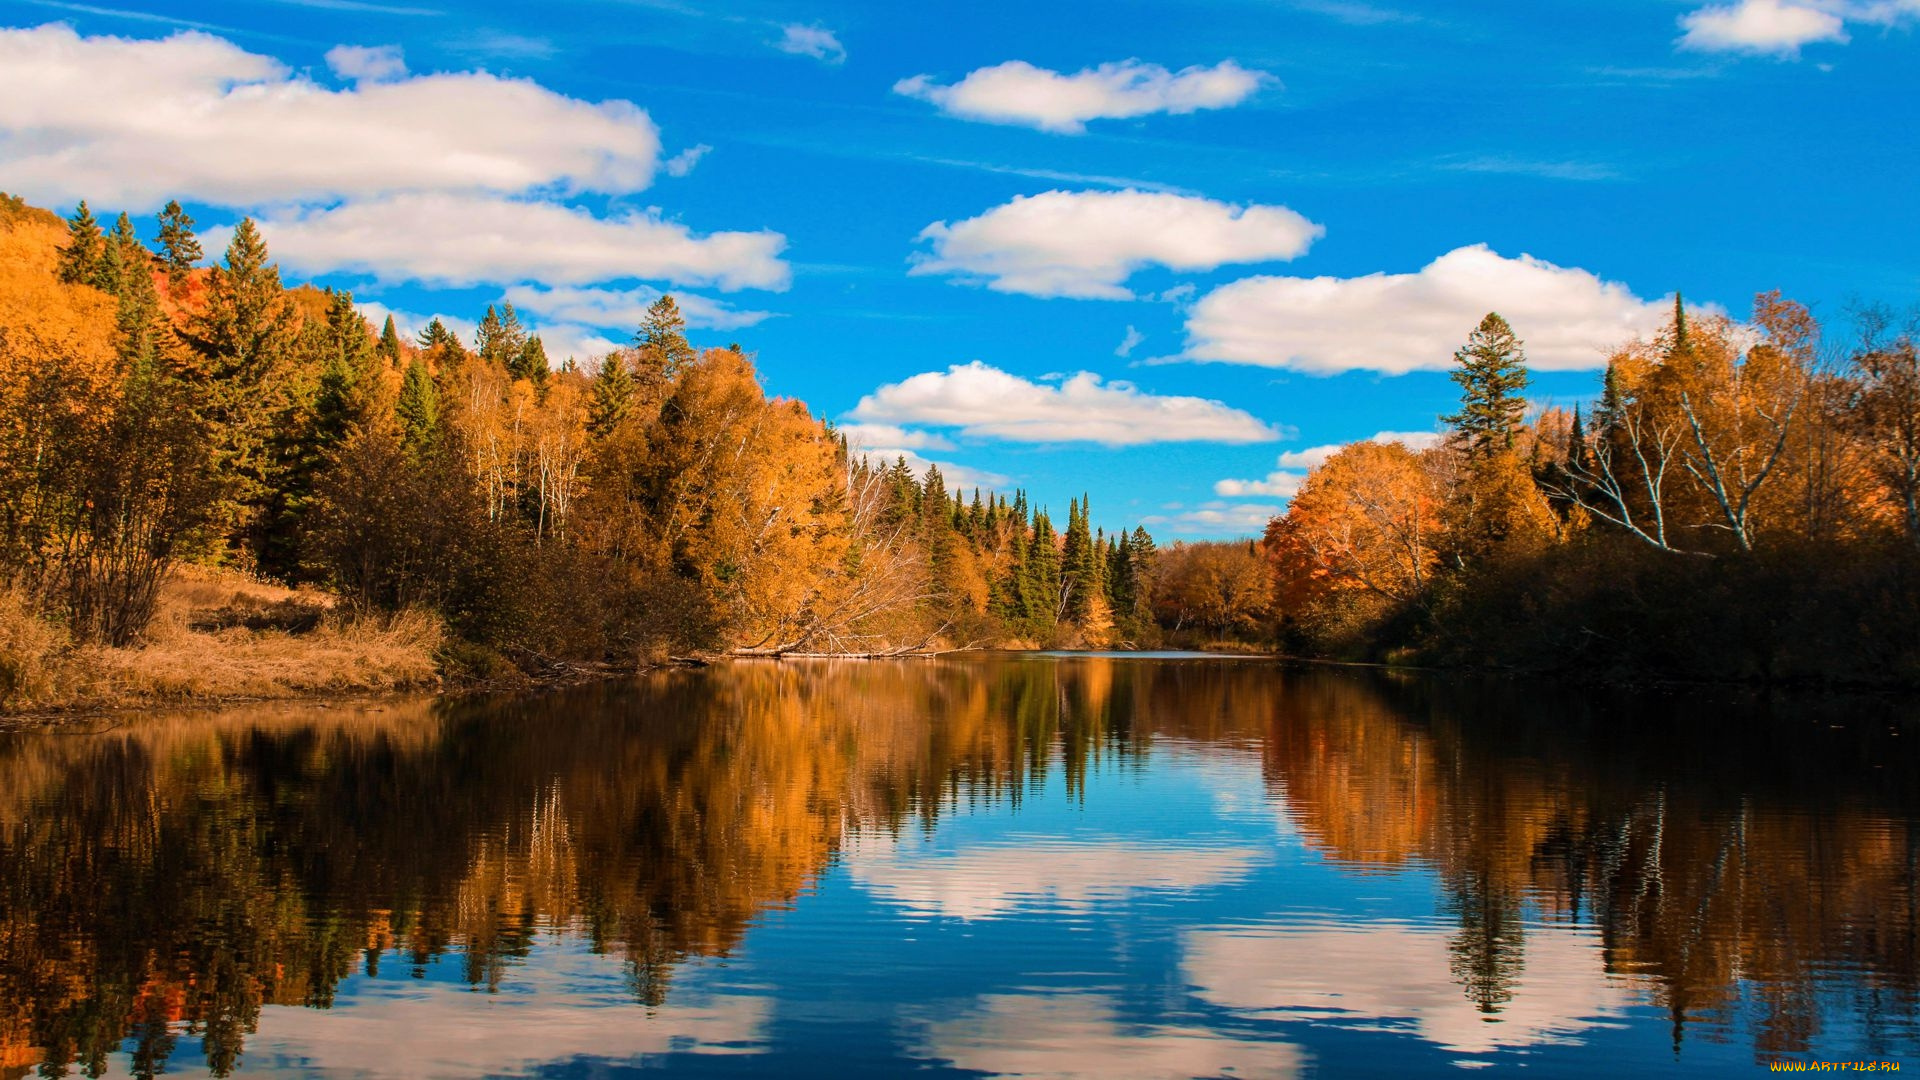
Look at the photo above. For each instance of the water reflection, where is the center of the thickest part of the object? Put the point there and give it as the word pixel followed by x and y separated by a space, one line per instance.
pixel 1030 866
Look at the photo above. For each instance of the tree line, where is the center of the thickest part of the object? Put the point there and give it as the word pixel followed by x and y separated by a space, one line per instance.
pixel 156 410
pixel 1741 501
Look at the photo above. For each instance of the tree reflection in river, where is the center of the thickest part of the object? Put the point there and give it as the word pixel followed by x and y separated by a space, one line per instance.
pixel 177 874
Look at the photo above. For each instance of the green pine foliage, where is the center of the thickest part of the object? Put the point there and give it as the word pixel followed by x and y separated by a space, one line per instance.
pixel 81 259
pixel 1492 372
pixel 179 247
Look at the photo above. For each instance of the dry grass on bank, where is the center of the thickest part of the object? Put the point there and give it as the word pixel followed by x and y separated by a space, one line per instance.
pixel 218 635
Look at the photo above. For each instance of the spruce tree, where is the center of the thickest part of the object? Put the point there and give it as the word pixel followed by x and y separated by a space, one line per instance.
pixel 418 411
pixel 1040 590
pixel 610 397
pixel 500 338
pixel 128 258
pixel 662 344
pixel 1492 373
pixel 390 343
pixel 531 363
pixel 936 531
pixel 1080 568
pixel 179 247
pixel 80 260
pixel 437 335
pixel 242 336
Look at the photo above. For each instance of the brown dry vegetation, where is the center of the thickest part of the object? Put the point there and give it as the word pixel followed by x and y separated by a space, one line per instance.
pixel 217 635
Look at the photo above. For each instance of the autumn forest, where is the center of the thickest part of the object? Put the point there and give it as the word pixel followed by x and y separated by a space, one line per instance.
pixel 1741 501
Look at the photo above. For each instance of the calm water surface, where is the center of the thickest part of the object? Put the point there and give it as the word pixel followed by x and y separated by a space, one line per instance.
pixel 1018 866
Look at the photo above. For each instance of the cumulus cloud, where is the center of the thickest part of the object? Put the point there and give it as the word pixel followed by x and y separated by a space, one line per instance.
pixel 461 239
pixel 817 42
pixel 625 308
pixel 985 402
pixel 562 341
pixel 1399 976
pixel 1284 482
pixel 1396 323
pixel 1017 92
pixel 1084 1036
pixel 880 438
pixel 998 880
pixel 1086 244
pixel 1781 27
pixel 1760 26
pixel 1129 343
pixel 425 1030
pixel 135 122
pixel 363 63
pixel 683 162
pixel 1215 519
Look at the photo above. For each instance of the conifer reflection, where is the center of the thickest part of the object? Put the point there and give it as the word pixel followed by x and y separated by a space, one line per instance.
pixel 181 873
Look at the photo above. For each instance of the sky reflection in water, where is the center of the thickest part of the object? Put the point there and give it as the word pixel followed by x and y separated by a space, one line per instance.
pixel 1006 866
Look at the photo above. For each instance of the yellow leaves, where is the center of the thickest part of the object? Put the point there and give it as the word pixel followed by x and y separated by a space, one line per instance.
pixel 44 319
pixel 1368 517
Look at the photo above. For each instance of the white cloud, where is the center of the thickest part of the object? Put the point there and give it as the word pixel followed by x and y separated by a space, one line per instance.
pixel 1396 323
pixel 884 438
pixel 997 880
pixel 561 340
pixel 1017 92
pixel 883 444
pixel 1073 1036
pixel 1781 27
pixel 1400 973
pixel 364 63
pixel 133 123
pixel 955 476
pixel 986 402
pixel 1086 244
pixel 1284 482
pixel 582 345
pixel 1129 343
pixel 551 1012
pixel 817 42
pixel 409 324
pixel 1216 519
pixel 456 239
pixel 625 308
pixel 683 162
pixel 1760 26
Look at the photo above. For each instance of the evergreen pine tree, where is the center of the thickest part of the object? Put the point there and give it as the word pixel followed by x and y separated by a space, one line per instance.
pixel 241 336
pixel 662 344
pixel 1040 591
pixel 80 259
pixel 531 363
pixel 1577 454
pixel 390 343
pixel 1080 569
pixel 179 247
pixel 128 258
pixel 610 397
pixel 436 335
pixel 418 411
pixel 144 330
pixel 1492 373
pixel 500 339
pixel 936 531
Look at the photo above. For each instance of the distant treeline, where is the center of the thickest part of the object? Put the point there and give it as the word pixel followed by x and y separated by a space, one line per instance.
pixel 1742 502
pixel 655 500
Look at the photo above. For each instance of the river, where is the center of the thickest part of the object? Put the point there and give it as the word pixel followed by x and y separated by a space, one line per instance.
pixel 987 865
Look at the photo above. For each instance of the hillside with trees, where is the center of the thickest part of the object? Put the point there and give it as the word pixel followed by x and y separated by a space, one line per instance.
pixel 1738 504
pixel 157 414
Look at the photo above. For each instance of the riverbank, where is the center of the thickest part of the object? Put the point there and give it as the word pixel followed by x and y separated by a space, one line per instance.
pixel 220 636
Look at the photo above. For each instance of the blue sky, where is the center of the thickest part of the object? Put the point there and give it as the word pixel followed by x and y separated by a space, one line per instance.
pixel 1157 253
